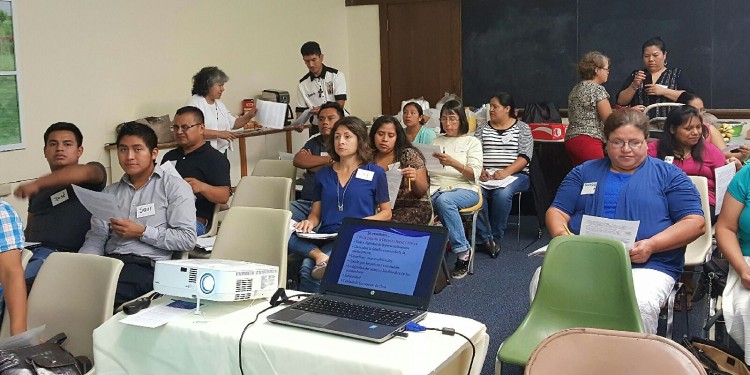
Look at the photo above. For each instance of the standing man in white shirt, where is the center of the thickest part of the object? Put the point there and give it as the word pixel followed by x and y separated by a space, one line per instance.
pixel 320 85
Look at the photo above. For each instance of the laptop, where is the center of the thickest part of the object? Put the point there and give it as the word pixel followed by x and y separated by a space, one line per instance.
pixel 379 277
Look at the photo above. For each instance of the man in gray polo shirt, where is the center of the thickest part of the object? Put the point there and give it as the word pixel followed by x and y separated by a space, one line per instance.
pixel 156 217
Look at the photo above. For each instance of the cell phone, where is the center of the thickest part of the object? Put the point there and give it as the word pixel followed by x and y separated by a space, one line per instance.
pixel 735 150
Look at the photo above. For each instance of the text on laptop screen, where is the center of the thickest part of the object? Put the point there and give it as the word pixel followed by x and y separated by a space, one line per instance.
pixel 385 259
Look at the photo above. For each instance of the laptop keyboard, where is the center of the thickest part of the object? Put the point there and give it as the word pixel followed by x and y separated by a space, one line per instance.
pixel 354 311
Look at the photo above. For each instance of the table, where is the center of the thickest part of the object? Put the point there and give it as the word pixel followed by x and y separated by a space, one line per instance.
pixel 116 170
pixel 208 344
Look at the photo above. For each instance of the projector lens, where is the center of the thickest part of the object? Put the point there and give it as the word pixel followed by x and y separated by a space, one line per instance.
pixel 207 283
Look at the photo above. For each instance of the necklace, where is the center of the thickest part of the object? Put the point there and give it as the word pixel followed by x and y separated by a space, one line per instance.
pixel 340 198
pixel 319 81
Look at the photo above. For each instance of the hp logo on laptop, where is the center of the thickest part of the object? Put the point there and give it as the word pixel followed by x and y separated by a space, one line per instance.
pixel 372 292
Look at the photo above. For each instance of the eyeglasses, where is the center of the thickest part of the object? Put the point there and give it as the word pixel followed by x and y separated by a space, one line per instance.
pixel 184 128
pixel 634 145
pixel 452 120
pixel 607 69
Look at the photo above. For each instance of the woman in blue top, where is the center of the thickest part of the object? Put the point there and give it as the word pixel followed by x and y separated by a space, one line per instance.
pixel 350 187
pixel 733 237
pixel 630 185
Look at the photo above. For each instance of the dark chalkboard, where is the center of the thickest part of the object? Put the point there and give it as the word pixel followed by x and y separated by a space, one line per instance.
pixel 531 48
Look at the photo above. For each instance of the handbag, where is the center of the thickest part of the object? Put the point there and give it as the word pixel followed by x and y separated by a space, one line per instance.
pixel 162 126
pixel 716 359
pixel 47 358
pixel 541 112
pixel 713 279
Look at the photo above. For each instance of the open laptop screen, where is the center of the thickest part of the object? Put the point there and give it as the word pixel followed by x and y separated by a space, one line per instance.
pixel 385 261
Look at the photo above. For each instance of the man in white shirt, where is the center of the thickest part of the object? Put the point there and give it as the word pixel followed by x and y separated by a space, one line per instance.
pixel 320 85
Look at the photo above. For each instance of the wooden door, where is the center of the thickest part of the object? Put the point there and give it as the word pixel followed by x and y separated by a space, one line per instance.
pixel 420 51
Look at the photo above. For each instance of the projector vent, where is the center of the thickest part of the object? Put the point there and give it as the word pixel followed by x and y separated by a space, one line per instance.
pixel 243 296
pixel 243 286
pixel 193 275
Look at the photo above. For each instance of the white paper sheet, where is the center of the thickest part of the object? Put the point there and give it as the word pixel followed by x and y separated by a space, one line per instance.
pixel 431 162
pixel 169 168
pixel 621 230
pixel 155 316
pixel 309 235
pixel 206 243
pixel 271 114
pixel 539 252
pixel 393 177
pixel 495 184
pixel 724 176
pixel 29 338
pixel 101 205
pixel 303 118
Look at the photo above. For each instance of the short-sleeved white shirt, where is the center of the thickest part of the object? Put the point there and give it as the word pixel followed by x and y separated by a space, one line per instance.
pixel 216 117
pixel 315 91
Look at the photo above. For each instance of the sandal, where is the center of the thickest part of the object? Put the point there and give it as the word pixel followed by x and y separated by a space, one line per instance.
pixel 319 270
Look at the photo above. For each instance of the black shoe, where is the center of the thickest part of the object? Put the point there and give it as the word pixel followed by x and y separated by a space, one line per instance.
pixel 488 246
pixel 495 250
pixel 460 269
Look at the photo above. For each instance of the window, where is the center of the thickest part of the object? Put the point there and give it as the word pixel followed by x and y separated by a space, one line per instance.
pixel 10 119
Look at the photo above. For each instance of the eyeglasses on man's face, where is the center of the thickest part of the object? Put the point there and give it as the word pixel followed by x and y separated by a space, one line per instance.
pixel 184 128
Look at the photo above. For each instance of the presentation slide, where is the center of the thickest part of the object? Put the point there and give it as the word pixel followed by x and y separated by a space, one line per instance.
pixel 385 259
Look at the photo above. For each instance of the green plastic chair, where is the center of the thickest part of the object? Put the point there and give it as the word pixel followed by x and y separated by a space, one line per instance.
pixel 584 282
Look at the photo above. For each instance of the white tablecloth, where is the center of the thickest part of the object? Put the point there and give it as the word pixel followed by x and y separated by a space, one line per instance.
pixel 208 344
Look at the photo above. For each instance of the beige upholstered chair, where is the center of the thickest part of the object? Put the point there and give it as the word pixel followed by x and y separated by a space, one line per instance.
pixel 589 351
pixel 73 293
pixel 276 168
pixel 268 243
pixel 256 191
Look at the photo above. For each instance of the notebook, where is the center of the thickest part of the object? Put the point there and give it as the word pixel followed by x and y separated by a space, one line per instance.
pixel 383 271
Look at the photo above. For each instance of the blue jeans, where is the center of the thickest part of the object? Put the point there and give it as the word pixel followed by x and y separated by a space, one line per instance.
pixel 200 228
pixel 35 262
pixel 300 209
pixel 303 247
pixel 446 205
pixel 496 207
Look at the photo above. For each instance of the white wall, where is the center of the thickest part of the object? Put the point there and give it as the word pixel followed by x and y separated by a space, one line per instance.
pixel 99 63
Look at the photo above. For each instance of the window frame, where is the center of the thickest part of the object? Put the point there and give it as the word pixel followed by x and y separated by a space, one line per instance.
pixel 17 74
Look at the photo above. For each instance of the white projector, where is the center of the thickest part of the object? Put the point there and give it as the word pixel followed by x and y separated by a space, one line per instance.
pixel 215 279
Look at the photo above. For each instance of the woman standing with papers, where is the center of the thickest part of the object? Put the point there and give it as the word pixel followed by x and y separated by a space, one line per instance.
pixel 454 187
pixel 208 86
pixel 390 145
pixel 350 187
pixel 630 185
pixel 507 147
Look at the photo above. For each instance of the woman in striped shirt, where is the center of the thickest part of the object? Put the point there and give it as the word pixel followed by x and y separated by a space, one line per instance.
pixel 507 147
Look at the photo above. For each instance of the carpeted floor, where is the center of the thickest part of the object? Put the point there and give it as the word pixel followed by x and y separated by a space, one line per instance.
pixel 498 293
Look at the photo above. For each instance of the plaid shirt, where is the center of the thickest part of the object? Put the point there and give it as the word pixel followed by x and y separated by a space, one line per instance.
pixel 12 228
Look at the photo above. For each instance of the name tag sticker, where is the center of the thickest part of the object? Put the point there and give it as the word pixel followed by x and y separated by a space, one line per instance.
pixel 59 197
pixel 323 153
pixel 461 148
pixel 145 210
pixel 363 174
pixel 669 159
pixel 588 188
